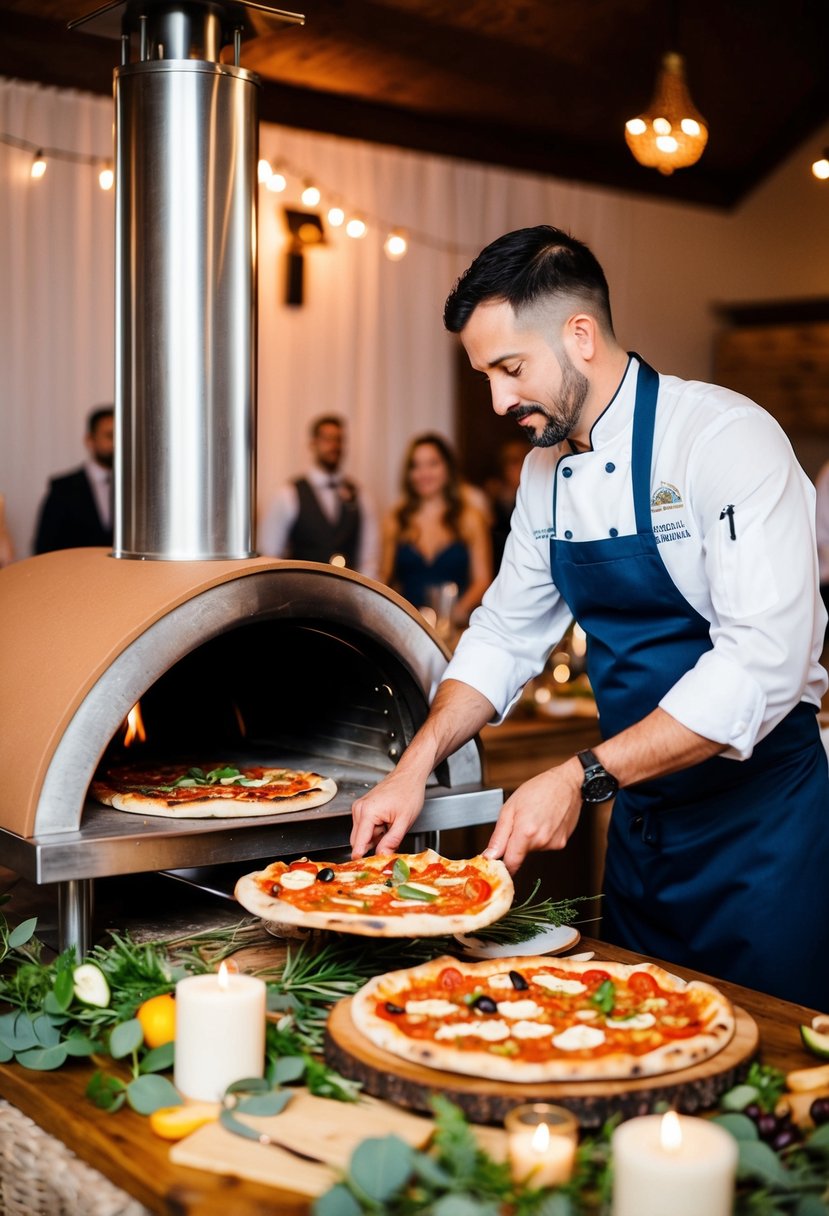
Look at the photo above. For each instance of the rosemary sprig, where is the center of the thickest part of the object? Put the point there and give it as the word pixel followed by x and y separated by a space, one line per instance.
pixel 526 919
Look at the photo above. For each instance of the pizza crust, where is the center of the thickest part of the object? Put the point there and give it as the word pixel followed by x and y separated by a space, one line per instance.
pixel 421 923
pixel 216 808
pixel 672 1056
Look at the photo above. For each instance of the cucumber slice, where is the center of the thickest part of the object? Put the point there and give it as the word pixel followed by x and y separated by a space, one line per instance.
pixel 816 1042
pixel 90 984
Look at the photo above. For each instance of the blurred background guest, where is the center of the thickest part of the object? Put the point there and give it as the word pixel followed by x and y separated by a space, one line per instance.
pixel 502 491
pixel 77 509
pixel 434 536
pixel 323 515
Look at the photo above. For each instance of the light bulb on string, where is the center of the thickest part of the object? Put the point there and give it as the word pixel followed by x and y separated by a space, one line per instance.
pixel 276 183
pixel 820 168
pixel 336 217
pixel 310 194
pixel 106 178
pixel 264 170
pixel 356 228
pixel 396 245
pixel 38 164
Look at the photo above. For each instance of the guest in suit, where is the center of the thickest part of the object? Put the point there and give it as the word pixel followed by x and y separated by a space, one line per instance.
pixel 323 516
pixel 77 510
pixel 435 535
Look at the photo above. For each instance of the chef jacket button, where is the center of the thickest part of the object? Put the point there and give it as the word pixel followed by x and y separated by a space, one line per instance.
pixel 609 467
pixel 567 471
pixel 568 535
pixel 614 531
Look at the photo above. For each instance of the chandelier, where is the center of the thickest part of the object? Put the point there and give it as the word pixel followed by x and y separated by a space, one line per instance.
pixel 672 133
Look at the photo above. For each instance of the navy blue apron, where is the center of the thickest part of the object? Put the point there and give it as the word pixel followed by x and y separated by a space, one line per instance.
pixel 723 867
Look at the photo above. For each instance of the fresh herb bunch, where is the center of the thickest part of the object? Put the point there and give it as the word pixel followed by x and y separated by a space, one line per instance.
pixel 526 919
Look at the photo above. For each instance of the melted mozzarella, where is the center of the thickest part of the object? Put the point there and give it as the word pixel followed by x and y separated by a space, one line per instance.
pixel 554 983
pixel 531 1030
pixel 352 901
pixel 500 981
pixel 347 876
pixel 412 904
pixel 587 1015
pixel 297 880
pixel 449 882
pixel 519 1009
pixel 372 888
pixel 639 1021
pixel 433 1007
pixel 577 1038
pixel 491 1030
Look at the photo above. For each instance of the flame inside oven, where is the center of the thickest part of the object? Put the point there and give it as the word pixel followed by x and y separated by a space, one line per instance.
pixel 134 730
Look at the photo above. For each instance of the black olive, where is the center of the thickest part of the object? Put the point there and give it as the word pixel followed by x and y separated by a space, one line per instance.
pixel 785 1138
pixel 518 981
pixel 485 1004
pixel 767 1126
pixel 390 1008
pixel 753 1111
pixel 275 890
pixel 819 1110
pixel 325 875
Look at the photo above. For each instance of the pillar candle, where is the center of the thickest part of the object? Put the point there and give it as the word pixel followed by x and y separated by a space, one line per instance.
pixel 220 1033
pixel 541 1141
pixel 672 1163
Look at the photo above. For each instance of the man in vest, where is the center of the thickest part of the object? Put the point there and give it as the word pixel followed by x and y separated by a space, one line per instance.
pixel 323 516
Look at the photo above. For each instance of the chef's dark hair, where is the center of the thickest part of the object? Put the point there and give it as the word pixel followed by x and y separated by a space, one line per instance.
pixel 522 268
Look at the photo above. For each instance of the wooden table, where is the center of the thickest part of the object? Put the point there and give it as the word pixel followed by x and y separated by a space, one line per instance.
pixel 122 1147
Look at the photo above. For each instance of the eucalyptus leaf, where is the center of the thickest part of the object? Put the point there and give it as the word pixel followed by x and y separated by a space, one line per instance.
pixel 556 1204
pixel 428 1171
pixel 78 1045
pixel 758 1160
pixel 52 1005
pixel 739 1097
pixel 159 1059
pixel 148 1093
pixel 6 1053
pixel 22 933
pixel 265 1104
pixel 229 1121
pixel 811 1205
pixel 46 1032
pixel 106 1092
pixel 337 1202
pixel 287 1069
pixel 819 1138
pixel 17 1031
pixel 126 1038
pixel 380 1166
pixel 463 1205
pixel 740 1126
pixel 42 1059
pixel 251 1085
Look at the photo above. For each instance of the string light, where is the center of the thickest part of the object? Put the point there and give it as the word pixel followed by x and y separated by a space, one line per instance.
pixel 396 245
pixel 38 164
pixel 356 228
pixel 310 194
pixel 820 168
pixel 336 217
pixel 276 183
pixel 106 177
pixel 264 171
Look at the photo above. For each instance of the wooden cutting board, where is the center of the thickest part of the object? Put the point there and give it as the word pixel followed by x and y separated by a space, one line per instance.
pixel 487 1101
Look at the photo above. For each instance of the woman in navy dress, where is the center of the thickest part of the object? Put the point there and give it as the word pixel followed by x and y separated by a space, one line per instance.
pixel 435 536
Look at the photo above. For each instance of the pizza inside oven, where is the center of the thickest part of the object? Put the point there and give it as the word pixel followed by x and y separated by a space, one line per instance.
pixel 543 1019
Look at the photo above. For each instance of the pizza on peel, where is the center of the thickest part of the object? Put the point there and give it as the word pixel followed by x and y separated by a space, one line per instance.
pixel 218 791
pixel 404 895
pixel 544 1019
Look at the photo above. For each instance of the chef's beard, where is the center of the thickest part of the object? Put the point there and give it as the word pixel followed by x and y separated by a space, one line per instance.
pixel 563 416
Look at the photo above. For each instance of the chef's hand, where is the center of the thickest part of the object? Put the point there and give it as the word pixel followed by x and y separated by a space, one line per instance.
pixel 383 816
pixel 541 814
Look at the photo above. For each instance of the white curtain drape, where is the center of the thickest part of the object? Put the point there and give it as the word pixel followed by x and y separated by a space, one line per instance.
pixel 368 342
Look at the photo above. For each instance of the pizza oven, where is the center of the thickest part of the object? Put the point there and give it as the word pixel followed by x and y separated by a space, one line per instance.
pixel 260 660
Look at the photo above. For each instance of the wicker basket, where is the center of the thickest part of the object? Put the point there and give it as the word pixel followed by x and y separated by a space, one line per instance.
pixel 40 1176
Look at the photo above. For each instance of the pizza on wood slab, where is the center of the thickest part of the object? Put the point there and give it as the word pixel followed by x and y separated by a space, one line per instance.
pixel 544 1019
pixel 403 895
pixel 217 791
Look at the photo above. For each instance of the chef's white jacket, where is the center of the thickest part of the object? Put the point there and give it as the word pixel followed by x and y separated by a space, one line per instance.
pixel 712 449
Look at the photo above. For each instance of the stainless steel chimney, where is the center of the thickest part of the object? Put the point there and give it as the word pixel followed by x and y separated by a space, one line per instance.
pixel 186 134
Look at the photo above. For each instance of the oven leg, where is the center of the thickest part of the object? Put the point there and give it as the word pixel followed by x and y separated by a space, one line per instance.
pixel 416 842
pixel 75 898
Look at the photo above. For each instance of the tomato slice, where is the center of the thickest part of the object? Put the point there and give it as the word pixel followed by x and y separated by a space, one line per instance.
pixel 595 977
pixel 477 889
pixel 642 983
pixel 310 866
pixel 450 977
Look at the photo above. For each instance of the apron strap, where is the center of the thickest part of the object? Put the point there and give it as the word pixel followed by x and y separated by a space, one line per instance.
pixel 644 417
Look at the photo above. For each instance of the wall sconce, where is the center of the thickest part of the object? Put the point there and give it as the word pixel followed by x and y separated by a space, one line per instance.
pixel 305 230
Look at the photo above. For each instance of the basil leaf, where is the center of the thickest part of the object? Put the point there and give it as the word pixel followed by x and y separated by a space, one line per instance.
pixel 604 998
pixel 400 871
pixel 426 897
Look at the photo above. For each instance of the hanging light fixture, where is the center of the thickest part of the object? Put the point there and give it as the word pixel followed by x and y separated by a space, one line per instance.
pixel 38 164
pixel 672 133
pixel 820 167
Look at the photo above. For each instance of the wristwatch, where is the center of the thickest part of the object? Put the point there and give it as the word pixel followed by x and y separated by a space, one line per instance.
pixel 599 785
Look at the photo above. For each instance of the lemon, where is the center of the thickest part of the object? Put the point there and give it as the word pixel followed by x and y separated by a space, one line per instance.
pixel 158 1019
pixel 176 1122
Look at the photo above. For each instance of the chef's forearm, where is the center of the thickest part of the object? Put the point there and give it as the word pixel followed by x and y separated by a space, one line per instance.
pixel 657 745
pixel 457 713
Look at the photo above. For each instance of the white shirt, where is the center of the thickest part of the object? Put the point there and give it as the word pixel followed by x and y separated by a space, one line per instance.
pixel 822 522
pixel 712 448
pixel 283 511
pixel 100 481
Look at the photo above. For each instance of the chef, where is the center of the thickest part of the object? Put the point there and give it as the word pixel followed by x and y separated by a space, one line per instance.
pixel 671 519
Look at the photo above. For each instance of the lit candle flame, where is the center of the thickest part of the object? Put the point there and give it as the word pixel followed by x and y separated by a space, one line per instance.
pixel 223 977
pixel 541 1139
pixel 670 1132
pixel 135 726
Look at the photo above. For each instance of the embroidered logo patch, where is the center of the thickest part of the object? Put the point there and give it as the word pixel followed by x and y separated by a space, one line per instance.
pixel 666 498
pixel 544 533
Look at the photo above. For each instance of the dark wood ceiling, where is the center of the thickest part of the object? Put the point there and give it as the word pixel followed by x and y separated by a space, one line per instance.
pixel 539 85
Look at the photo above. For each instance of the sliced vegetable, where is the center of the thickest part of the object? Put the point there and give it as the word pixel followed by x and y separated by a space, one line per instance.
pixel 808 1078
pixel 816 1041
pixel 176 1122
pixel 91 986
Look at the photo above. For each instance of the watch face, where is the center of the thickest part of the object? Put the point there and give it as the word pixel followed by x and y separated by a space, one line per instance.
pixel 600 788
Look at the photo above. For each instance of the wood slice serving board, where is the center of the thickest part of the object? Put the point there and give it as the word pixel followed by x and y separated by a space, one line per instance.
pixel 486 1101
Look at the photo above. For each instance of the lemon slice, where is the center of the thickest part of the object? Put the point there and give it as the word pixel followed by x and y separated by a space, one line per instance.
pixel 176 1122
